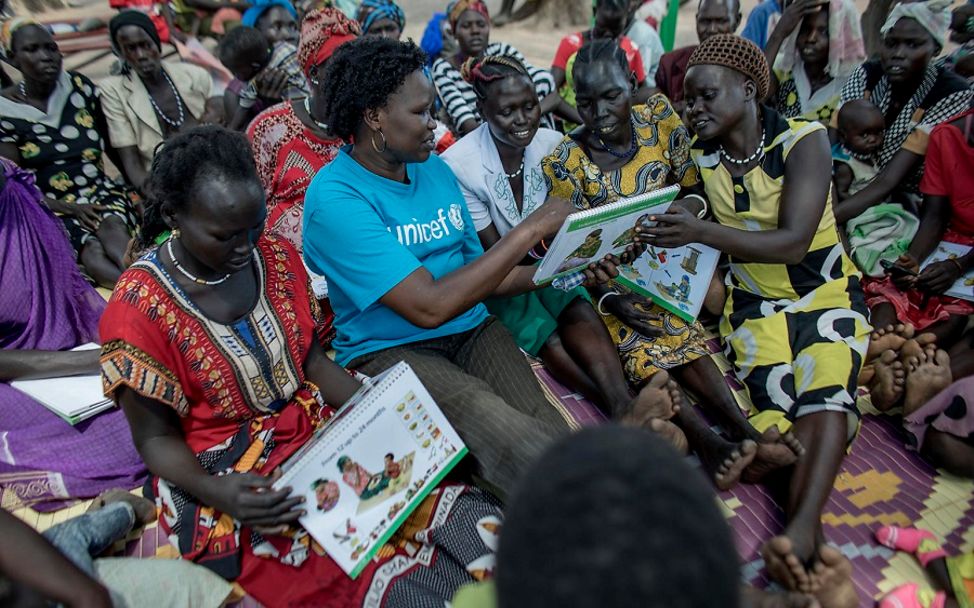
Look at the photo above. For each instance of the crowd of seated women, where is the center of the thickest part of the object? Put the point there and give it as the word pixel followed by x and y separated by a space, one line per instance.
pixel 245 232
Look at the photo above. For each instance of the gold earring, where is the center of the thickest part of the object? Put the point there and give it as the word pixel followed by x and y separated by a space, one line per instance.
pixel 384 144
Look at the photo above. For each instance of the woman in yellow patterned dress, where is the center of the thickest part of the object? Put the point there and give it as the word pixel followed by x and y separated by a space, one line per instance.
pixel 795 319
pixel 620 151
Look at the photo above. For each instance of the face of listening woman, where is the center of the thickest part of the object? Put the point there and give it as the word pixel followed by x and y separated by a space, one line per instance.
pixel 139 50
pixel 716 98
pixel 512 110
pixel 907 51
pixel 813 38
pixel 406 121
pixel 36 54
pixel 220 224
pixel 603 97
pixel 277 25
pixel 472 33
pixel 385 28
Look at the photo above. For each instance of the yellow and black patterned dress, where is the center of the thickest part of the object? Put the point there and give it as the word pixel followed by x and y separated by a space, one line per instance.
pixel 662 159
pixel 795 333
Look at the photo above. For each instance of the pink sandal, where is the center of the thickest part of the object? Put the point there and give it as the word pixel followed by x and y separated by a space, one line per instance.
pixel 917 541
pixel 911 596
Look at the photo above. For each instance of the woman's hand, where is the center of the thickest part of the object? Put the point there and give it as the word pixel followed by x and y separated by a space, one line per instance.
pixel 549 217
pixel 792 16
pixel 603 271
pixel 675 228
pixel 938 277
pixel 88 215
pixel 905 281
pixel 249 498
pixel 271 83
pixel 633 310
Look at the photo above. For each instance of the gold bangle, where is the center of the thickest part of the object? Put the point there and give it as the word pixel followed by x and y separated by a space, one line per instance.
pixel 959 267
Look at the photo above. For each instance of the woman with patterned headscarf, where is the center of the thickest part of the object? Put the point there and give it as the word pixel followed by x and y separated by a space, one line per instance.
pixel 470 23
pixel 913 93
pixel 291 141
pixel 814 48
pixel 52 124
pixel 795 321
pixel 381 18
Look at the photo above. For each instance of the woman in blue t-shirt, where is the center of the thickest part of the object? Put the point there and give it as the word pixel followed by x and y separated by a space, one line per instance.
pixel 387 225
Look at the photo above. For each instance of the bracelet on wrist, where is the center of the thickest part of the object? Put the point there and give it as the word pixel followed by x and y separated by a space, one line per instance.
pixel 598 306
pixel 960 266
pixel 706 208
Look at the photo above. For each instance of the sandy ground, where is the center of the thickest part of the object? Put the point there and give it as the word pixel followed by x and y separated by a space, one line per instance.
pixel 537 41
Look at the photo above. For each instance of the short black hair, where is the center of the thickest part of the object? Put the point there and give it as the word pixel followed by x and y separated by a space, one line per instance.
pixel 244 45
pixel 179 164
pixel 621 6
pixel 602 49
pixel 613 516
pixel 362 75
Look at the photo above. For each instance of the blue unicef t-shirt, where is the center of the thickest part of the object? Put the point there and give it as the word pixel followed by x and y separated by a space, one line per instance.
pixel 366 233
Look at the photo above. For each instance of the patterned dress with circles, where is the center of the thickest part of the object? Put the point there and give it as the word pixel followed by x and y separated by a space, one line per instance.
pixel 64 150
pixel 662 158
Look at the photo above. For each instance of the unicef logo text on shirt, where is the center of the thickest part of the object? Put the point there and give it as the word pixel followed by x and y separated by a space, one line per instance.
pixel 418 232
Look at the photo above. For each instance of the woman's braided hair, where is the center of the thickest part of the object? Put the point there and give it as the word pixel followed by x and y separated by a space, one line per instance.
pixel 362 75
pixel 738 54
pixel 601 49
pixel 480 73
pixel 181 162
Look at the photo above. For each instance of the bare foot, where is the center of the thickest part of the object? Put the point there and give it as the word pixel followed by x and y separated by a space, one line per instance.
pixel 916 346
pixel 655 400
pixel 866 374
pixel 784 566
pixel 887 338
pixel 671 433
pixel 774 452
pixel 760 598
pixel 145 509
pixel 928 375
pixel 832 579
pixel 886 389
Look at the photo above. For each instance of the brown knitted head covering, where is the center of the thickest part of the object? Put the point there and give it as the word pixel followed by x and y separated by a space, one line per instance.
pixel 738 54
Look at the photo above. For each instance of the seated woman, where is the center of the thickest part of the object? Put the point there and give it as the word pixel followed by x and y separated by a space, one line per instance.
pixel 151 100
pixel 795 319
pixel 53 125
pixel 498 167
pixel 277 21
pixel 386 224
pixel 914 95
pixel 381 18
pixel 291 141
pixel 947 214
pixel 611 17
pixel 470 23
pixel 213 434
pixel 813 49
pixel 46 309
pixel 621 150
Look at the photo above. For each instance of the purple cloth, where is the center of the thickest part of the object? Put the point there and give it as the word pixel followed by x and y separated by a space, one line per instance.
pixel 950 411
pixel 45 304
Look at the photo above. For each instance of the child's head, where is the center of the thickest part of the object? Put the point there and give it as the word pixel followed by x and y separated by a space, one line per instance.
pixel 245 52
pixel 390 458
pixel 627 498
pixel 611 18
pixel 962 24
pixel 862 127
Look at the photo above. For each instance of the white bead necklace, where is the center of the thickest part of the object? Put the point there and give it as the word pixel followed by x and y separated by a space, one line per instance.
pixel 758 154
pixel 179 105
pixel 186 273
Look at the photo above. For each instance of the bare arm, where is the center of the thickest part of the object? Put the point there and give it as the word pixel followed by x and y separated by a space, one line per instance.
pixel 28 559
pixel 34 364
pixel 934 217
pixel 896 170
pixel 842 176
pixel 132 166
pixel 428 302
pixel 336 385
pixel 10 152
pixel 807 182
pixel 239 118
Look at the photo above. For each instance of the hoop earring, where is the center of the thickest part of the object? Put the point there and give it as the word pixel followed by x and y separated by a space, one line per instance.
pixel 174 233
pixel 384 143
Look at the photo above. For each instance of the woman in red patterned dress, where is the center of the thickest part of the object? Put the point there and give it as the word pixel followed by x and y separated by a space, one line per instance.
pixel 211 347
